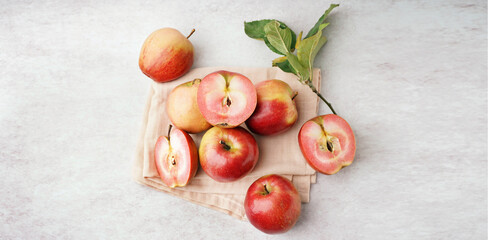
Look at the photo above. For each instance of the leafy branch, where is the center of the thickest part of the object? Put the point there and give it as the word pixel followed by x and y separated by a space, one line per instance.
pixel 282 40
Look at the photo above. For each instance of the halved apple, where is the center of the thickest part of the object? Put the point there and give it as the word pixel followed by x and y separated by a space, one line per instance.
pixel 327 143
pixel 176 158
pixel 226 99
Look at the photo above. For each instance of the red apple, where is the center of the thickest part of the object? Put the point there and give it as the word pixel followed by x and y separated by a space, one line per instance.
pixel 327 143
pixel 226 99
pixel 272 204
pixel 182 108
pixel 275 111
pixel 176 158
pixel 166 55
pixel 228 154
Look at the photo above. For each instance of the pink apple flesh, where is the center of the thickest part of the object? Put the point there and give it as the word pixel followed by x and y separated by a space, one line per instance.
pixel 327 143
pixel 176 158
pixel 226 99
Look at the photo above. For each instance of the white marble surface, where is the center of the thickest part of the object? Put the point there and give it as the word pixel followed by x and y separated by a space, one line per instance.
pixel 409 76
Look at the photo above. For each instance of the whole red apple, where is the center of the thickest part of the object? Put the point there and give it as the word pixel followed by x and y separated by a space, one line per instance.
pixel 182 108
pixel 275 110
pixel 228 154
pixel 226 99
pixel 176 158
pixel 166 55
pixel 272 204
pixel 327 143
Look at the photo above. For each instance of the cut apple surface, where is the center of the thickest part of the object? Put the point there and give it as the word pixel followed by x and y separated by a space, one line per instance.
pixel 228 154
pixel 226 99
pixel 176 158
pixel 327 143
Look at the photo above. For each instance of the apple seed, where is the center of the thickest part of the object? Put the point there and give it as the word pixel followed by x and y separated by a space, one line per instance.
pixel 330 147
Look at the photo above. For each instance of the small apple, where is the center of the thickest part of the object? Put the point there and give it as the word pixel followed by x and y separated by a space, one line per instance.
pixel 166 55
pixel 228 154
pixel 182 108
pixel 176 158
pixel 276 110
pixel 226 99
pixel 272 204
pixel 327 143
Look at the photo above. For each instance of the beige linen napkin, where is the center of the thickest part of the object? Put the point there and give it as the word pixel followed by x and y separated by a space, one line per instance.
pixel 278 154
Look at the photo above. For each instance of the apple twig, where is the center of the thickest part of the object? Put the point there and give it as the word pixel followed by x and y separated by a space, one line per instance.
pixel 321 97
pixel 282 40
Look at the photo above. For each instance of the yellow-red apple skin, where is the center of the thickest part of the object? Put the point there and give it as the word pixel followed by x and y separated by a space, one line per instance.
pixel 166 55
pixel 182 108
pixel 275 209
pixel 276 110
pixel 226 165
pixel 313 137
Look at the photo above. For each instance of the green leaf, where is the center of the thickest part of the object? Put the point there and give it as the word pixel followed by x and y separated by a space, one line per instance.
pixel 285 66
pixel 279 60
pixel 300 71
pixel 309 47
pixel 279 38
pixel 266 41
pixel 293 40
pixel 299 39
pixel 321 21
pixel 255 29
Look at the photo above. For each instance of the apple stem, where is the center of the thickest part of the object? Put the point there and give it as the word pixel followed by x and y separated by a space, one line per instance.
pixel 294 95
pixel 192 31
pixel 169 130
pixel 226 147
pixel 309 83
pixel 265 189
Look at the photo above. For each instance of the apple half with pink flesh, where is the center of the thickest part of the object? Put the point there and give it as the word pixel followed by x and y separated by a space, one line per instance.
pixel 176 158
pixel 272 204
pixel 276 110
pixel 228 154
pixel 226 99
pixel 327 143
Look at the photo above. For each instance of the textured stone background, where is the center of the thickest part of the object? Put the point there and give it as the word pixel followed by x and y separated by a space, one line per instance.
pixel 409 76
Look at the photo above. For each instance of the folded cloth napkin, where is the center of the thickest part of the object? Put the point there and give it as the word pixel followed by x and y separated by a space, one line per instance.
pixel 279 154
